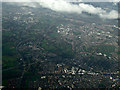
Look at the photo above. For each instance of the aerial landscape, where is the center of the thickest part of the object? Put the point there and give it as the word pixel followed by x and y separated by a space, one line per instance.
pixel 68 46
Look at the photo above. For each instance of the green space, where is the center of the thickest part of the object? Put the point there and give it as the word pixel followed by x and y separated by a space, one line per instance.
pixel 104 49
pixel 62 49
pixel 9 62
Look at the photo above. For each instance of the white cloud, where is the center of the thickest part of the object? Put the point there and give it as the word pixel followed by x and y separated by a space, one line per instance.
pixel 64 6
pixel 60 5
pixel 111 15
pixel 16 0
pixel 91 9
pixel 65 0
pixel 99 11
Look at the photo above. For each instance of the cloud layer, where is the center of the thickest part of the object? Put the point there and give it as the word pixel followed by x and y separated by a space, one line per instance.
pixel 65 6
pixel 65 0
pixel 98 11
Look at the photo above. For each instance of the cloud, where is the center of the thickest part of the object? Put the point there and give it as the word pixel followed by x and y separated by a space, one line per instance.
pixel 65 0
pixel 60 5
pixel 91 9
pixel 65 6
pixel 16 0
pixel 99 11
pixel 111 15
